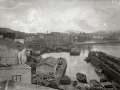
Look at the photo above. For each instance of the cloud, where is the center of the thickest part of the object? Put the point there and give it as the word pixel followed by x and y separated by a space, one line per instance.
pixel 59 15
pixel 13 7
pixel 83 24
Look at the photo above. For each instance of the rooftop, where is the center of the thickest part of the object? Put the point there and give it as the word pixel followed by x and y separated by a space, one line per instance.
pixel 48 61
pixel 20 66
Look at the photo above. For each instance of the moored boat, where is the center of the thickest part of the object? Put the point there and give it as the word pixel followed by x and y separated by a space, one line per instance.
pixel 98 71
pixel 81 77
pixel 87 60
pixel 100 74
pixel 75 83
pixel 109 64
pixel 103 78
pixel 65 80
pixel 75 51
pixel 116 86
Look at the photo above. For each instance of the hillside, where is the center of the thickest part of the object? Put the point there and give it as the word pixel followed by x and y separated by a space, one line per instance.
pixel 9 30
pixel 6 32
pixel 72 31
pixel 108 32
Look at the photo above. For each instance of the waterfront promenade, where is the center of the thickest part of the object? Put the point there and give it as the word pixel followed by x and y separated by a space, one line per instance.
pixel 97 42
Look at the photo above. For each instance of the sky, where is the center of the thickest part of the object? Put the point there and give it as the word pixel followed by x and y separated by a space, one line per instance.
pixel 33 16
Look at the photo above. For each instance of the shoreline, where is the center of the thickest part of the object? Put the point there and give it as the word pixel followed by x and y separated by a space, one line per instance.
pixel 97 42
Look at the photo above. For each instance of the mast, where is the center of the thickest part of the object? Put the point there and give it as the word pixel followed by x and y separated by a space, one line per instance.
pixel 89 49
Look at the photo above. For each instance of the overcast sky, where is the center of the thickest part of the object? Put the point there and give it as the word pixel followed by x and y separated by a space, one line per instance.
pixel 60 15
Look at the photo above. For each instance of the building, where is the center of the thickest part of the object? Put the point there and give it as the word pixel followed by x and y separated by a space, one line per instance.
pixel 40 35
pixel 58 37
pixel 29 37
pixel 119 37
pixel 66 38
pixel 12 62
pixel 49 39
pixel 21 40
pixel 101 37
pixel 47 66
pixel 1 36
pixel 19 73
pixel 11 52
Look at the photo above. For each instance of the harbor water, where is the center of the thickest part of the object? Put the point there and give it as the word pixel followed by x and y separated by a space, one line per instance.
pixel 77 64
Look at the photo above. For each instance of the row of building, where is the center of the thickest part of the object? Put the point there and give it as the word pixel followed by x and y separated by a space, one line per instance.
pixel 56 38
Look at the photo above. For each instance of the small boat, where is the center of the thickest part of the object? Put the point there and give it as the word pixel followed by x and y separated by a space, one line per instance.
pixel 81 77
pixel 65 80
pixel 116 86
pixel 100 74
pixel 87 60
pixel 103 78
pixel 59 49
pixel 98 71
pixel 75 83
pixel 66 49
pixel 95 85
pixel 48 51
pixel 75 51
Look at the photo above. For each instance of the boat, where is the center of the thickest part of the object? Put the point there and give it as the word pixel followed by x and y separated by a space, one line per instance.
pixel 101 75
pixel 59 49
pixel 48 51
pixel 66 49
pixel 98 71
pixel 75 51
pixel 109 64
pixel 103 78
pixel 116 86
pixel 75 83
pixel 95 85
pixel 87 60
pixel 107 85
pixel 65 80
pixel 81 77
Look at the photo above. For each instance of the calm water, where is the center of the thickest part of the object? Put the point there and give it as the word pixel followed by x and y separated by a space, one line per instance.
pixel 77 63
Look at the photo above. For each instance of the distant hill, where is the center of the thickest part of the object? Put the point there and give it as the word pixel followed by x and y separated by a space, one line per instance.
pixel 9 30
pixel 73 31
pixel 108 32
pixel 6 32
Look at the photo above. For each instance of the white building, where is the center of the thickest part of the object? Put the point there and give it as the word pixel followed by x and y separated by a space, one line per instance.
pixel 21 40
pixel 19 73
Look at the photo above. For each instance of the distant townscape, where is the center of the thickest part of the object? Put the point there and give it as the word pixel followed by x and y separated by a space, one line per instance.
pixel 22 66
